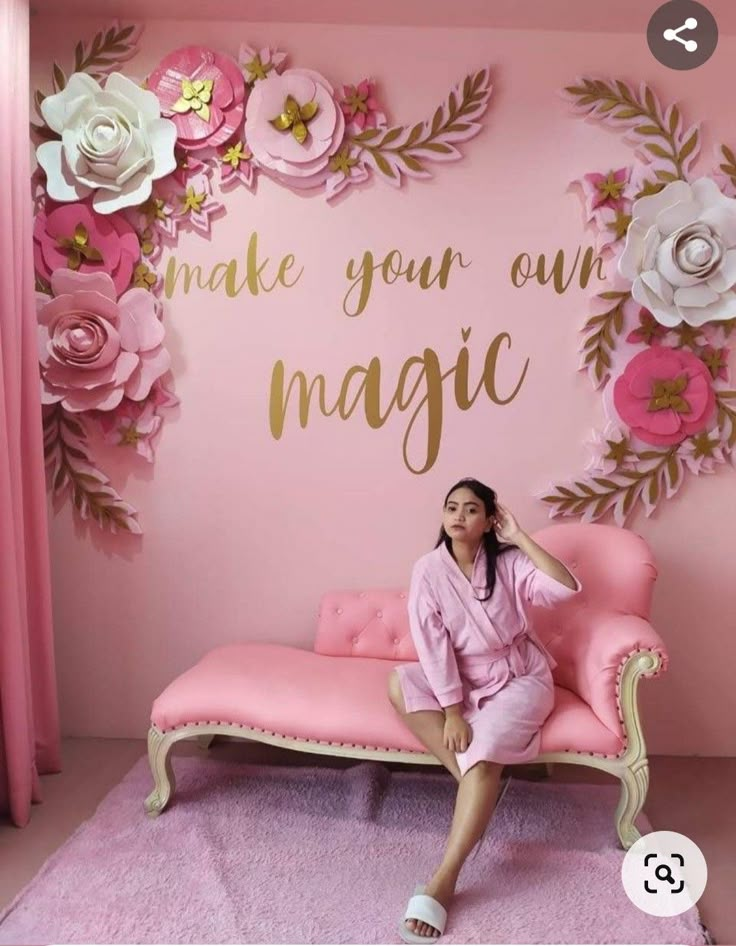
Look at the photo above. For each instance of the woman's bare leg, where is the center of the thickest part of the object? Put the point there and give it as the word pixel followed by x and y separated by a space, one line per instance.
pixel 474 806
pixel 427 725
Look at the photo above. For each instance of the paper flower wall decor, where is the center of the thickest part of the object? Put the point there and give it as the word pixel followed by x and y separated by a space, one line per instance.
pixel 113 142
pixel 126 164
pixel 657 346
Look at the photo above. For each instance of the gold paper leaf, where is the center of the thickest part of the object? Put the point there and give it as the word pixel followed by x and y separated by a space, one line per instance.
pixel 59 78
pixel 437 146
pixel 602 481
pixel 653 490
pixel 309 110
pixel 674 119
pixel 383 164
pixel 673 469
pixel 414 134
pixel 658 150
pixel 629 500
pixel 626 113
pixel 390 136
pixel 411 162
pixel 689 146
pixel 624 91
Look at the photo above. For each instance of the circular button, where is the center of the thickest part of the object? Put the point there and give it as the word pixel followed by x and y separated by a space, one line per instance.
pixel 339 611
pixel 355 640
pixel 379 614
pixel 664 873
pixel 682 34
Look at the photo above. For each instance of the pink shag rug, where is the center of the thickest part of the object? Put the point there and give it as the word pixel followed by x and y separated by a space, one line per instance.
pixel 271 854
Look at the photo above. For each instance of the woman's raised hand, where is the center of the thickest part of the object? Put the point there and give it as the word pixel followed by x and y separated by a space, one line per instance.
pixel 507 528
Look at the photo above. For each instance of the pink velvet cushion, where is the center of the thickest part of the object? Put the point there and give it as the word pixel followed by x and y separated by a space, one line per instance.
pixel 341 700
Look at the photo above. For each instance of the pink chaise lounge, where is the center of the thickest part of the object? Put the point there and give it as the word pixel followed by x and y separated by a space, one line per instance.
pixel 333 700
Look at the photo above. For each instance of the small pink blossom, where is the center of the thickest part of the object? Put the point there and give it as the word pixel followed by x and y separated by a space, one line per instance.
pixel 360 106
pixel 703 451
pixel 135 423
pixel 605 190
pixel 610 451
pixel 716 360
pixel 347 169
pixel 258 64
pixel 649 332
pixel 235 163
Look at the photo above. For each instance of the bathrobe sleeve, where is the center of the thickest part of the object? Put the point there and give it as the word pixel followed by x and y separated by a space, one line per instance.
pixel 432 641
pixel 536 586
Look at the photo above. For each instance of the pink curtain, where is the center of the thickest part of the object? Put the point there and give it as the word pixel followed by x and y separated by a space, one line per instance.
pixel 29 718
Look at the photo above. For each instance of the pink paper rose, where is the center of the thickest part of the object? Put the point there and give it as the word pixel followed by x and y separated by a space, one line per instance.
pixel 202 92
pixel 664 395
pixel 93 349
pixel 74 237
pixel 294 125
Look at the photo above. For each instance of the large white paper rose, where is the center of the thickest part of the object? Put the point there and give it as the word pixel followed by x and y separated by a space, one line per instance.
pixel 680 253
pixel 114 142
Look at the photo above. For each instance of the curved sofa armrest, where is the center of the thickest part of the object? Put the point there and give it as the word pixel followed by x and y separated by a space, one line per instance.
pixel 595 652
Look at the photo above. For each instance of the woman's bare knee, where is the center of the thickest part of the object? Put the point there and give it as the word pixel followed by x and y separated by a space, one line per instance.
pixel 394 692
pixel 485 768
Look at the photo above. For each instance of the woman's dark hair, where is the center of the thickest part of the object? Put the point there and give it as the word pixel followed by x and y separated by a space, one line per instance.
pixel 493 547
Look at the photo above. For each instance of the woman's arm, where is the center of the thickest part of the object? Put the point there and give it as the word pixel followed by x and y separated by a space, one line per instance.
pixel 543 560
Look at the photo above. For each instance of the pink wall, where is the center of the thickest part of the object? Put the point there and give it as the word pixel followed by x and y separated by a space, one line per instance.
pixel 242 533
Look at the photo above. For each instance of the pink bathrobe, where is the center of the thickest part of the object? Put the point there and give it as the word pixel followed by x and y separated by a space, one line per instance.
pixel 483 654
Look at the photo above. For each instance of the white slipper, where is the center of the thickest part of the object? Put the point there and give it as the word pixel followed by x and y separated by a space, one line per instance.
pixel 427 910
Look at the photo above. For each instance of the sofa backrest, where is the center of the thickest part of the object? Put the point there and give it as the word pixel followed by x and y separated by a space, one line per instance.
pixel 615 567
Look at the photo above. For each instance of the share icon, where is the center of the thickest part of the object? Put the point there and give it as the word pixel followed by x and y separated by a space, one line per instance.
pixel 687 46
pixel 690 44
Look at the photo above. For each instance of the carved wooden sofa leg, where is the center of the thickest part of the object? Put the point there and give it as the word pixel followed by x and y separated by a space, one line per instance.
pixel 634 770
pixel 159 747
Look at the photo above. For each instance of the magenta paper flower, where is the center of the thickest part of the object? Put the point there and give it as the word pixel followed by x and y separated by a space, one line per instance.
pixel 73 236
pixel 664 395
pixel 311 128
pixel 202 92
pixel 360 106
pixel 257 64
pixel 93 349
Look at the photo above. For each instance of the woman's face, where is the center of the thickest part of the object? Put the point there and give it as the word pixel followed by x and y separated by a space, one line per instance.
pixel 464 516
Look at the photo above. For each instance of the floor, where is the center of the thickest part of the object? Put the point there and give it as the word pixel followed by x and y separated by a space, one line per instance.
pixel 694 796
